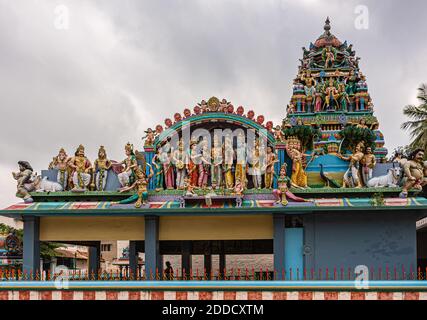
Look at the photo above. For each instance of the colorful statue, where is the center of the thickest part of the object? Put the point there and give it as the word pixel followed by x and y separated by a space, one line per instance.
pixel 352 177
pixel 204 165
pixel 331 95
pixel 149 137
pixel 189 188
pixel 329 57
pixel 278 134
pixel 23 178
pixel 415 172
pixel 60 163
pixel 216 166
pixel 256 167
pixel 344 99
pixel 101 167
pixel 240 170
pixel 309 89
pixel 368 164
pixel 269 170
pixel 238 188
pixel 130 164
pixel 194 159
pixel 228 163
pixel 81 167
pixel 157 163
pixel 298 177
pixel 168 172
pixel 282 186
pixel 179 158
pixel 140 186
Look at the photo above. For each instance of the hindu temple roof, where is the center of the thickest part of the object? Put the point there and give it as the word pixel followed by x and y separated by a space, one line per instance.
pixel 327 38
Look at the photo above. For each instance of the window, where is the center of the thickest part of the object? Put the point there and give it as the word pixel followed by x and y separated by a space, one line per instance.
pixel 105 247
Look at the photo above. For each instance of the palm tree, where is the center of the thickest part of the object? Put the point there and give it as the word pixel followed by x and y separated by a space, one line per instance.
pixel 418 123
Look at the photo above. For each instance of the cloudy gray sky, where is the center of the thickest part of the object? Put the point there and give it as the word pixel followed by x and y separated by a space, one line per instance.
pixel 123 66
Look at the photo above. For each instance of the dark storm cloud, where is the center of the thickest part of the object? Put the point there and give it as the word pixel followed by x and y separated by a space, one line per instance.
pixel 123 66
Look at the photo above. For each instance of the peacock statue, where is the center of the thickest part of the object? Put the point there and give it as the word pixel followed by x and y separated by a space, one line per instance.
pixel 330 183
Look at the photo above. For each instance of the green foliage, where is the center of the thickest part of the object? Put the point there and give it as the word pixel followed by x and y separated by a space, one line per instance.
pixel 417 125
pixel 352 135
pixel 47 249
pixel 306 134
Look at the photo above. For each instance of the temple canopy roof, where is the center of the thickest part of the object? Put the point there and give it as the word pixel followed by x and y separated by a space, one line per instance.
pixel 327 38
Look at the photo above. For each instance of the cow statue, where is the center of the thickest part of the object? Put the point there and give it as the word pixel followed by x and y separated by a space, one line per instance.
pixel 44 185
pixel 391 179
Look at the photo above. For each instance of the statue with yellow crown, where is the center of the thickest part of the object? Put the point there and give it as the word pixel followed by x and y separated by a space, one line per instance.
pixel 294 150
pixel 81 167
pixel 129 165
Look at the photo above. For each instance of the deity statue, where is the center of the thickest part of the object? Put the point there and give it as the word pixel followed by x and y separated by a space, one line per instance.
pixel 204 106
pixel 60 163
pixel 216 166
pixel 290 108
pixel 278 134
pixel 329 57
pixel 81 167
pixel 194 160
pixel 179 158
pixel 149 137
pixel 23 178
pixel 309 89
pixel 331 95
pixel 140 186
pixel 168 173
pixel 204 165
pixel 282 186
pixel 269 170
pixel 130 164
pixel 157 163
pixel 298 177
pixel 352 177
pixel 228 162
pixel 240 170
pixel 415 172
pixel 362 124
pixel 344 99
pixel 101 167
pixel 318 102
pixel 238 188
pixel 223 105
pixel 189 188
pixel 256 167
pixel 368 164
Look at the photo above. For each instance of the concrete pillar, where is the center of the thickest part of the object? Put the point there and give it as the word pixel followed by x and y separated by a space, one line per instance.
pixel 133 259
pixel 31 254
pixel 94 260
pixel 186 258
pixel 279 245
pixel 152 248
pixel 208 265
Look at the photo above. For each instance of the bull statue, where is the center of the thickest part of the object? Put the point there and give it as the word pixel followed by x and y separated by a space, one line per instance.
pixel 391 179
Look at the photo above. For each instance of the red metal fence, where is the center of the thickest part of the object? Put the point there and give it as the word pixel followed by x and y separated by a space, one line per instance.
pixel 337 274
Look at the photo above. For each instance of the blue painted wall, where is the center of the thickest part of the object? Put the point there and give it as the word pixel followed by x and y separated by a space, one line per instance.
pixel 294 242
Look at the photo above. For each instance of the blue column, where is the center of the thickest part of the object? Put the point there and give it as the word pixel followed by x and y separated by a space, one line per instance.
pixel 149 155
pixel 280 148
pixel 279 245
pixel 31 254
pixel 152 248
pixel 133 259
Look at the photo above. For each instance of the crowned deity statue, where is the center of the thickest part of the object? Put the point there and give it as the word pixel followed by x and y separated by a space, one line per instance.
pixel 368 164
pixel 204 165
pixel 269 170
pixel 278 134
pixel 282 186
pixel 310 89
pixel 229 156
pixel 23 179
pixel 140 186
pixel 352 178
pixel 344 99
pixel 414 172
pixel 217 161
pixel 192 166
pixel 331 95
pixel 294 150
pixel 256 166
pixel 100 168
pixel 168 172
pixel 60 163
pixel 81 167
pixel 129 165
pixel 158 165
pixel 329 57
pixel 150 136
pixel 179 158
pixel 241 160
pixel 362 124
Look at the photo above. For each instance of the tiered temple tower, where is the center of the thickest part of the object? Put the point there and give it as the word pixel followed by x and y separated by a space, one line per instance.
pixel 330 92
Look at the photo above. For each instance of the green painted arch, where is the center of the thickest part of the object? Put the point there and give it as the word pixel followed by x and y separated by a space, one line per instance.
pixel 218 117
